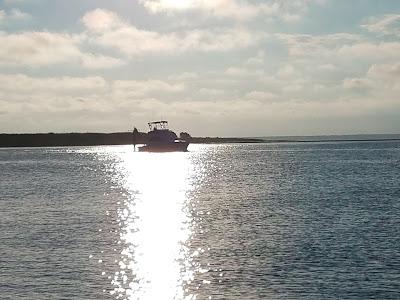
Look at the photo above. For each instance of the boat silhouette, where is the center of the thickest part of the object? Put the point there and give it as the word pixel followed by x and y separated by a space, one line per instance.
pixel 161 139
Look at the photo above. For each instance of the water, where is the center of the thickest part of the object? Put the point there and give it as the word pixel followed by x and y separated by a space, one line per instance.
pixel 261 221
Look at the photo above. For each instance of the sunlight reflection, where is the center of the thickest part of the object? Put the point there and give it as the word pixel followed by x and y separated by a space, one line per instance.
pixel 155 224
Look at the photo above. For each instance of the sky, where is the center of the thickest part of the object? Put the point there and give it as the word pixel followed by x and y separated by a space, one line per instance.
pixel 211 68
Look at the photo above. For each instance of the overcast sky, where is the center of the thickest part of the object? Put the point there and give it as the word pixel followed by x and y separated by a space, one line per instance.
pixel 210 67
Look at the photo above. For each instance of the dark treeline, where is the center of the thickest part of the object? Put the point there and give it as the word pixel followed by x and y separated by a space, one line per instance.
pixel 95 139
pixel 64 139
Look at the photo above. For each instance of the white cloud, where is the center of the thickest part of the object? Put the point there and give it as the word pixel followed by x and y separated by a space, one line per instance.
pixel 303 45
pixel 236 9
pixel 23 85
pixel 93 102
pixel 183 76
pixel 381 80
pixel 287 71
pixel 46 48
pixel 255 61
pixel 329 76
pixel 261 96
pixel 144 88
pixel 18 14
pixel 219 8
pixel 52 103
pixel 91 93
pixel 102 19
pixel 13 15
pixel 335 55
pixel 14 1
pixel 358 84
pixel 385 71
pixel 386 25
pixel 105 28
pixel 37 48
pixel 213 93
pixel 97 61
pixel 243 72
pixel 372 50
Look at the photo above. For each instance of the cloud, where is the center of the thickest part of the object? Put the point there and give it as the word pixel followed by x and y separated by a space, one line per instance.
pixel 23 85
pixel 243 72
pixel 371 50
pixel 385 25
pixel 358 84
pixel 333 54
pixel 97 61
pixel 144 88
pixel 212 92
pixel 52 103
pixel 219 8
pixel 252 116
pixel 385 71
pixel 18 14
pixel 20 87
pixel 236 9
pixel 304 45
pixel 37 48
pixel 82 103
pixel 107 29
pixel 14 1
pixel 13 15
pixel 93 93
pixel 183 76
pixel 272 80
pixel 260 96
pixel 102 19
pixel 381 80
pixel 46 48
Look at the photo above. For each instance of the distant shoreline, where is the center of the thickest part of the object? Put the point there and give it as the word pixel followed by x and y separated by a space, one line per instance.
pixel 331 141
pixel 97 139
pixel 125 138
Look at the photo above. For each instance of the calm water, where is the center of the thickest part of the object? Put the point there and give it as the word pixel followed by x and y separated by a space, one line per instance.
pixel 267 221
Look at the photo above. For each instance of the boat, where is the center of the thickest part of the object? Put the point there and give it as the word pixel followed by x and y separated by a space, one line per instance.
pixel 161 139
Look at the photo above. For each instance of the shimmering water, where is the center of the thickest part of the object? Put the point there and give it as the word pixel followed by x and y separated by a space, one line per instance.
pixel 265 221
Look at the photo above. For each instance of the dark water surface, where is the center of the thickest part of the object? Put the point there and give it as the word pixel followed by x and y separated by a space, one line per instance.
pixel 265 221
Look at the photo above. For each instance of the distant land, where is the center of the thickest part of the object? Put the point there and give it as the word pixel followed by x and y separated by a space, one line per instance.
pixel 332 138
pixel 97 139
pixel 125 138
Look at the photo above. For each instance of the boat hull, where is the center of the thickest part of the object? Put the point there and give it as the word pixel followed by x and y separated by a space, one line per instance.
pixel 165 147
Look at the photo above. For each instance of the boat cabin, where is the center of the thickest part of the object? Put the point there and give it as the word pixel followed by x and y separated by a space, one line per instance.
pixel 159 133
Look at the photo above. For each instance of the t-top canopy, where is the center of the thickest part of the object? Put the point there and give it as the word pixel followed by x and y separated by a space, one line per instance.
pixel 159 125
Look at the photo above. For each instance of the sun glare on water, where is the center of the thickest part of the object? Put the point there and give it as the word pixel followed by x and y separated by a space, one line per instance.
pixel 155 224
